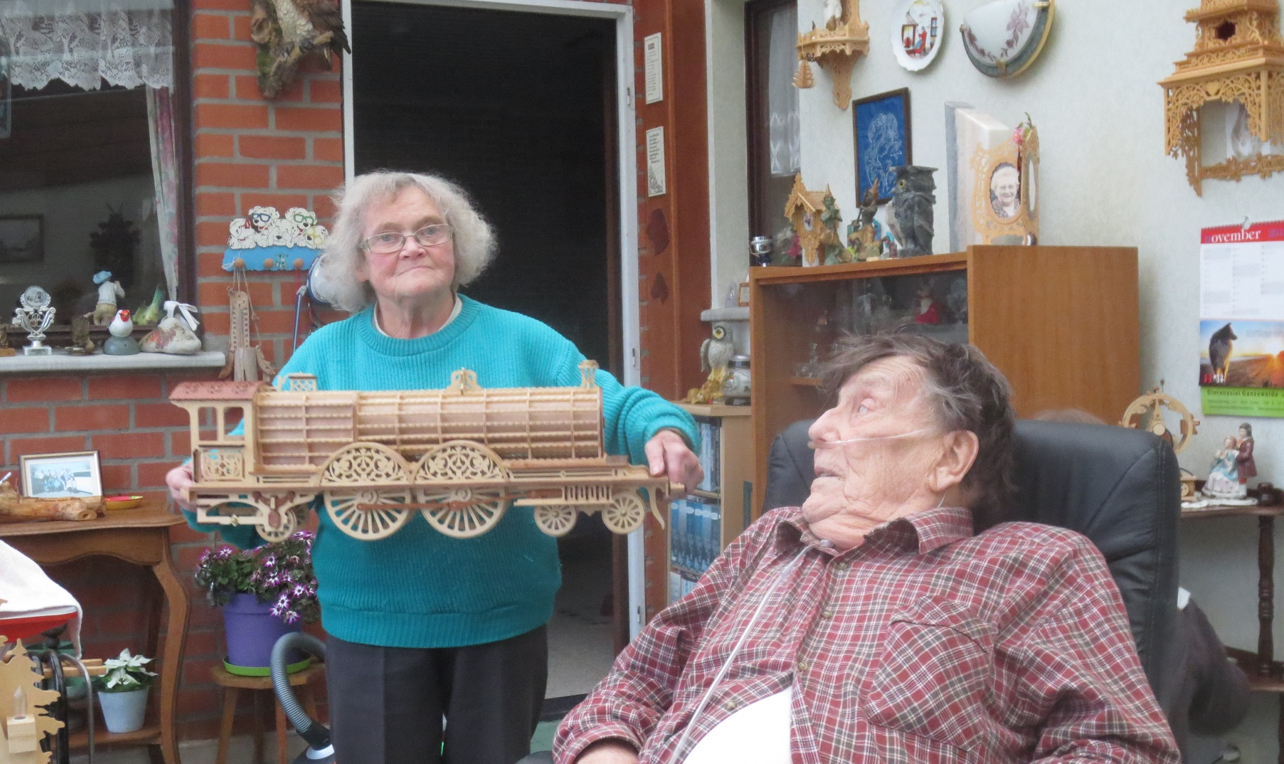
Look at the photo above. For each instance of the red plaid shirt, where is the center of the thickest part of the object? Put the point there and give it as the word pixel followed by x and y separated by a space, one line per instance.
pixel 924 644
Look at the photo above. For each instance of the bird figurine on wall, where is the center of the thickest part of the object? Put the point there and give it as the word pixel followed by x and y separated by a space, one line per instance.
pixel 715 354
pixel 120 342
pixel 288 30
pixel 910 214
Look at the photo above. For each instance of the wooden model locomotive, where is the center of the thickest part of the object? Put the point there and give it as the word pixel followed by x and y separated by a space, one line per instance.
pixel 460 456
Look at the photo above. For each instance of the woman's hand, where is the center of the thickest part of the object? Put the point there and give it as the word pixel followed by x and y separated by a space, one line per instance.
pixel 179 481
pixel 667 454
pixel 608 751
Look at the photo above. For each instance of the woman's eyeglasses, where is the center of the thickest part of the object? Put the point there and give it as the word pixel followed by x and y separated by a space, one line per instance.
pixel 390 242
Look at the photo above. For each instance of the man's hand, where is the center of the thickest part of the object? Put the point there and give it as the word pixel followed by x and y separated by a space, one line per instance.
pixel 609 751
pixel 667 454
pixel 179 481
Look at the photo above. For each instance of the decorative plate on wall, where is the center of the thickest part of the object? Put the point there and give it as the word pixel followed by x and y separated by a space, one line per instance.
pixel 1004 37
pixel 918 29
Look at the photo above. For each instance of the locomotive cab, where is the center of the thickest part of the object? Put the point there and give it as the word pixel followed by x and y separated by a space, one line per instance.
pixel 220 414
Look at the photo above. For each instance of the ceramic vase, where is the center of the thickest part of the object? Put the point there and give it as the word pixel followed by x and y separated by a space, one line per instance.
pixel 123 711
pixel 252 630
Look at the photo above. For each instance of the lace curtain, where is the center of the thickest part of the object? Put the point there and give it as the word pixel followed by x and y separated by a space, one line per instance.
pixel 782 96
pixel 160 129
pixel 83 42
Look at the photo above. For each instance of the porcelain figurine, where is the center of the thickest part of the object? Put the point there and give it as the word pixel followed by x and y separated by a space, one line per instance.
pixel 927 310
pixel 120 342
pixel 1223 478
pixel 1244 463
pixel 110 293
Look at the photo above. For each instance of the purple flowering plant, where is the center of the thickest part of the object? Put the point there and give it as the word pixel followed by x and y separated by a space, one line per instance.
pixel 279 573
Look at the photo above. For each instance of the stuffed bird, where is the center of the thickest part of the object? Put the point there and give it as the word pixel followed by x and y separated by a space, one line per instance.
pixel 150 314
pixel 286 31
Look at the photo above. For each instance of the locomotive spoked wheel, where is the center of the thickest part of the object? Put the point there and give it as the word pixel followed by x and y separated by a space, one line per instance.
pixel 367 514
pixel 555 519
pixel 624 513
pixel 461 511
pixel 289 523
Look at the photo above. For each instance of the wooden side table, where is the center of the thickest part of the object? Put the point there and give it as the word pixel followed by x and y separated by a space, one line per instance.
pixel 232 685
pixel 139 536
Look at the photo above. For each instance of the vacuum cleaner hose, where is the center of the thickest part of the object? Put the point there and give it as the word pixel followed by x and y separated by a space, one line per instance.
pixel 316 734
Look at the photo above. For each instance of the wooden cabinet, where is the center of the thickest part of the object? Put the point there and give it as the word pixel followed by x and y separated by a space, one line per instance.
pixel 1060 322
pixel 713 514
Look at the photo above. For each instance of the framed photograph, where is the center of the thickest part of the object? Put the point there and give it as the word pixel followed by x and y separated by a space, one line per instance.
pixel 881 128
pixel 61 476
pixel 22 239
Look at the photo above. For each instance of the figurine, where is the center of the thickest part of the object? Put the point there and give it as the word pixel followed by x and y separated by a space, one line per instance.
pixel 286 31
pixel 120 342
pixel 957 300
pixel 865 234
pixel 926 308
pixel 830 219
pixel 149 314
pixel 5 350
pixel 1244 463
pixel 109 293
pixel 715 353
pixel 910 213
pixel 1223 478
pixel 81 344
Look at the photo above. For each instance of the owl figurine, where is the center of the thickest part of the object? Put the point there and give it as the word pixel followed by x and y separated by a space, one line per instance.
pixel 286 31
pixel 910 214
pixel 715 354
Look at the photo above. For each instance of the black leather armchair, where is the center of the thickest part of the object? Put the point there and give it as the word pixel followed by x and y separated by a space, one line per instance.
pixel 1119 487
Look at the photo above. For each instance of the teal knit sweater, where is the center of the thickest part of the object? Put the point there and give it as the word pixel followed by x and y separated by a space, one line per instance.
pixel 418 587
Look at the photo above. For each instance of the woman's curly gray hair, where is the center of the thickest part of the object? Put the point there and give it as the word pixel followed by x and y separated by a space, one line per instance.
pixel 335 279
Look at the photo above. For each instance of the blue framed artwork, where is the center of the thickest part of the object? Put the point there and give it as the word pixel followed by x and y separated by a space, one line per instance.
pixel 880 124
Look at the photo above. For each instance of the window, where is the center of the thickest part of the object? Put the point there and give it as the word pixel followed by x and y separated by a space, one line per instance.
pixel 89 150
pixel 771 34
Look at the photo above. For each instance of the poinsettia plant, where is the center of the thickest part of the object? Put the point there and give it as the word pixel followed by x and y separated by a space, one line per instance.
pixel 125 673
pixel 279 573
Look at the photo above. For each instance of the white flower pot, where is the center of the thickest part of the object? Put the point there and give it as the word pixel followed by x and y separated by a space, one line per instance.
pixel 123 711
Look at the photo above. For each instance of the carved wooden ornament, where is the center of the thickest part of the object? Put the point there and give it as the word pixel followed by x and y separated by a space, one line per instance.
pixel 835 47
pixel 998 215
pixel 803 208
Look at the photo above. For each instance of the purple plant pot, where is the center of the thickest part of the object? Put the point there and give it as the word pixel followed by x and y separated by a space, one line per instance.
pixel 252 630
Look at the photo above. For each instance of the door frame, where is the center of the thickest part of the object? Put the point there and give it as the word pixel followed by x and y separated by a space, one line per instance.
pixel 627 193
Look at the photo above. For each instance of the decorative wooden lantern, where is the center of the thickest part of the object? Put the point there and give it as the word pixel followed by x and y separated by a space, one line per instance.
pixel 804 209
pixel 836 47
pixel 1238 58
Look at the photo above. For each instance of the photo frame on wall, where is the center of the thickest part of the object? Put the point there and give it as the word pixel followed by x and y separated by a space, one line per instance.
pixel 61 476
pixel 22 239
pixel 881 131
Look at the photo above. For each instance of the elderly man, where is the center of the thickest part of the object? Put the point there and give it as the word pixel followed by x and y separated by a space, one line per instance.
pixel 889 618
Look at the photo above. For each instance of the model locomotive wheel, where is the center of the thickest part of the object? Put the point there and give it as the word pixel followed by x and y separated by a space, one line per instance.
pixel 368 514
pixel 556 519
pixel 462 511
pixel 289 523
pixel 624 513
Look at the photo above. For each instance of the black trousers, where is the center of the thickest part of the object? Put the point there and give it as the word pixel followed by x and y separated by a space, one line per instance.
pixel 387 703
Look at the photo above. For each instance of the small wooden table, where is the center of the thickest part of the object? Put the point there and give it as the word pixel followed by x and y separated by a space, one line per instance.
pixel 232 685
pixel 139 536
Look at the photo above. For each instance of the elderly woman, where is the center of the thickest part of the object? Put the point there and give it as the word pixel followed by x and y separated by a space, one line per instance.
pixel 422 625
pixel 888 618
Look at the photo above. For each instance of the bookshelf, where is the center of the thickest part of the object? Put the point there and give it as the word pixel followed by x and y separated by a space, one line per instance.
pixel 713 514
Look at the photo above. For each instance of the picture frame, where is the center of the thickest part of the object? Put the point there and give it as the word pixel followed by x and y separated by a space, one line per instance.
pixel 881 134
pixel 73 474
pixel 22 239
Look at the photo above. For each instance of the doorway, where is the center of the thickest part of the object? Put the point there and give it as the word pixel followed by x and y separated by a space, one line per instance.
pixel 520 109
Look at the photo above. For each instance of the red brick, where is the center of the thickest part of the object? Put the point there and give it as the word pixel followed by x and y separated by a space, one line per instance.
pixel 308 176
pixel 271 147
pixel 221 204
pixel 95 416
pixel 187 533
pixel 217 324
pixel 180 444
pixel 152 474
pixel 119 623
pixel 240 27
pixel 53 445
pixel 212 86
pixel 327 149
pixel 125 387
pixel 207 26
pixel 325 91
pixel 213 291
pixel 211 233
pixel 214 145
pixel 243 116
pixel 117 478
pixel 43 389
pixel 293 92
pixel 218 5
pixel 210 265
pixel 231 174
pixel 246 87
pixel 16 420
pixel 159 415
pixel 197 670
pixel 130 445
pixel 282 202
pixel 196 703
pixel 329 119
pixel 323 206
pixel 275 321
pixel 201 643
pixel 212 55
pixel 186 557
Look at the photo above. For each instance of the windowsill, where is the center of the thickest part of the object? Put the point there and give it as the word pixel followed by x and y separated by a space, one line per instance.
pixel 61 362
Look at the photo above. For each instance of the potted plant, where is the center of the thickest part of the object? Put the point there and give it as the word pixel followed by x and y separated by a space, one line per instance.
pixel 122 691
pixel 264 593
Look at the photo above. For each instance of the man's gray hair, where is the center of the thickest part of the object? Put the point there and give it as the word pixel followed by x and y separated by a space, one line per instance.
pixel 966 391
pixel 335 280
